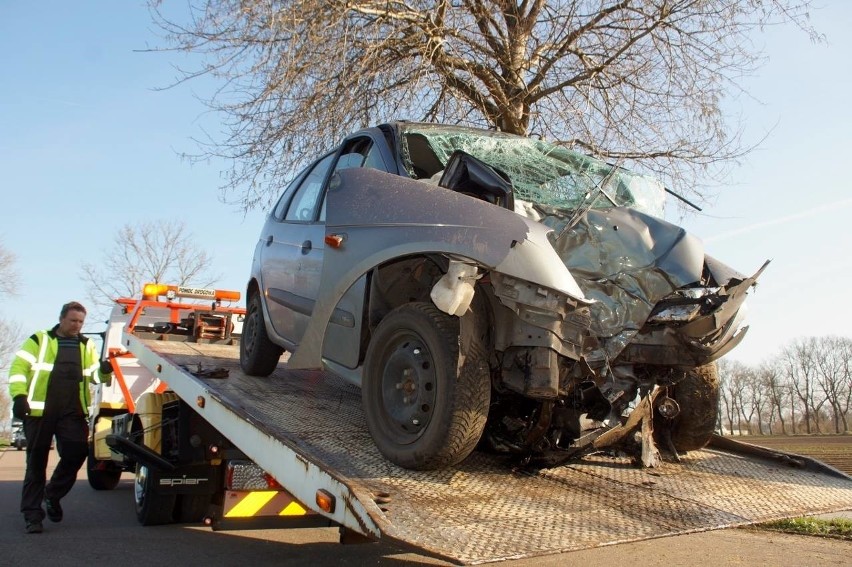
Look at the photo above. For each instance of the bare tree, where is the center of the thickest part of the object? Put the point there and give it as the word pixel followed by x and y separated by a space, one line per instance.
pixel 726 411
pixel 11 338
pixel 636 82
pixel 748 404
pixel 777 391
pixel 800 366
pixel 846 369
pixel 162 251
pixel 10 333
pixel 8 273
pixel 831 370
pixel 735 395
pixel 759 398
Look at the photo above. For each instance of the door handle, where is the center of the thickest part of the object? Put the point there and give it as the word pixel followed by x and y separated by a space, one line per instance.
pixel 269 240
pixel 306 246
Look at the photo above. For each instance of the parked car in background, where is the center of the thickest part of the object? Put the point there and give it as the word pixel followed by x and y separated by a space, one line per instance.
pixel 495 290
pixel 19 440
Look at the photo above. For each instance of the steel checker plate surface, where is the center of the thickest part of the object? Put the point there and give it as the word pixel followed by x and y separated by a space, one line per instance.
pixel 482 510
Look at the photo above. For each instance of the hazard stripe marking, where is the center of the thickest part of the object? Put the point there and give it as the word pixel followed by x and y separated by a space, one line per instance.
pixel 250 504
pixel 293 509
pixel 240 504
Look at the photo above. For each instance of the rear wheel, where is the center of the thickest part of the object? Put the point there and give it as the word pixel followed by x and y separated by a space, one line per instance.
pixel 258 355
pixel 697 395
pixel 152 508
pixel 422 410
pixel 103 475
pixel 191 508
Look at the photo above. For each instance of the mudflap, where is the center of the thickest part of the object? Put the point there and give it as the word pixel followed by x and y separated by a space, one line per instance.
pixel 192 479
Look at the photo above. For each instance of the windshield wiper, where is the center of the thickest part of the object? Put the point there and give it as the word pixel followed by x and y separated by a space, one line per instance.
pixel 684 199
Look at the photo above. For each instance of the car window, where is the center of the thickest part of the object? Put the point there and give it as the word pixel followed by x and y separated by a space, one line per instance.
pixel 284 200
pixel 346 161
pixel 374 159
pixel 305 200
pixel 360 152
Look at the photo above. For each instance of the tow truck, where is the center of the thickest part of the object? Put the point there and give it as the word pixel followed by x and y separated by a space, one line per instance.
pixel 207 443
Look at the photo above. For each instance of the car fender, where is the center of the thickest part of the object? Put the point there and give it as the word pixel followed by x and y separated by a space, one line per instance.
pixel 373 217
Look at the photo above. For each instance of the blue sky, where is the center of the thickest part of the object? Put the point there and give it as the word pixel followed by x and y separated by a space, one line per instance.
pixel 88 144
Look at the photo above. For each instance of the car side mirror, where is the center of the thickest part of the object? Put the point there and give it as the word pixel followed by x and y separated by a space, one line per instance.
pixel 467 174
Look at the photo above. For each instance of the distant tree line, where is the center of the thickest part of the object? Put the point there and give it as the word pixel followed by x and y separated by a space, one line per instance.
pixel 806 388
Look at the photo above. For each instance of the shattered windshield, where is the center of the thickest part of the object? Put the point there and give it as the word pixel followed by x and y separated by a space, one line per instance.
pixel 541 172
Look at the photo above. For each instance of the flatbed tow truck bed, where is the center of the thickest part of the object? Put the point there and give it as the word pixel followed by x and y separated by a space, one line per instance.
pixel 307 429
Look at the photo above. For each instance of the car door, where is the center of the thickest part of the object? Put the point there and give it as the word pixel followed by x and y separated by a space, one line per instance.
pixel 292 257
pixel 291 253
pixel 343 334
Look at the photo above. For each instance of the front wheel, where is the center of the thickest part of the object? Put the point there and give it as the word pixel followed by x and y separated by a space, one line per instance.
pixel 697 395
pixel 152 508
pixel 258 355
pixel 103 475
pixel 424 411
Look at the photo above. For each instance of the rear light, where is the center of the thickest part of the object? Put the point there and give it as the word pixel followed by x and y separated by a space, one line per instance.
pixel 229 477
pixel 245 475
pixel 271 483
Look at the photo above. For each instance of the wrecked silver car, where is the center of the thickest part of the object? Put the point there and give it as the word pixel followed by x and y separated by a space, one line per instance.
pixel 491 290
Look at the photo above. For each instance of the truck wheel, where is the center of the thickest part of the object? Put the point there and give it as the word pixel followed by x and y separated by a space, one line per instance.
pixel 191 508
pixel 19 445
pixel 698 397
pixel 103 475
pixel 422 410
pixel 258 355
pixel 152 508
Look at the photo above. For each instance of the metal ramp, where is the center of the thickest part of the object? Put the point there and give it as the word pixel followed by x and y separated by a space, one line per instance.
pixel 481 510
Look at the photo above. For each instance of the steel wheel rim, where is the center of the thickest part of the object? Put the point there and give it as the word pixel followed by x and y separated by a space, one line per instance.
pixel 139 485
pixel 408 387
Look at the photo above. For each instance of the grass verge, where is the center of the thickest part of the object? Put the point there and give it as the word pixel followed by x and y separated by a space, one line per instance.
pixel 838 528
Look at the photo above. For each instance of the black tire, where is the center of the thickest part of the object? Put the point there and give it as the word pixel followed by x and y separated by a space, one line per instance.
pixel 152 508
pixel 103 475
pixel 191 508
pixel 697 394
pixel 258 355
pixel 422 411
pixel 19 445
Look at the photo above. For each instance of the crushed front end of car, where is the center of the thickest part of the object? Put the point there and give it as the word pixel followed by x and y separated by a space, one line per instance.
pixel 628 362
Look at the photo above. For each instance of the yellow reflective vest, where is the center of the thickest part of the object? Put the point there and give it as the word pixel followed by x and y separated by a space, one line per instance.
pixel 33 363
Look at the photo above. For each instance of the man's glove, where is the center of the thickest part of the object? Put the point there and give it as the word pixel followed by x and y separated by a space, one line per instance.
pixel 20 406
pixel 106 372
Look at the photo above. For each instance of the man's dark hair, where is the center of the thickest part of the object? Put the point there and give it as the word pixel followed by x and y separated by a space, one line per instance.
pixel 71 306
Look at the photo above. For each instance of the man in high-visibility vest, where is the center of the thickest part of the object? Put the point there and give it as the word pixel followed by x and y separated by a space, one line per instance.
pixel 49 384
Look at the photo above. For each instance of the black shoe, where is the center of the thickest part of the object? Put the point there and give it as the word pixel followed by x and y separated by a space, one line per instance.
pixel 54 510
pixel 34 527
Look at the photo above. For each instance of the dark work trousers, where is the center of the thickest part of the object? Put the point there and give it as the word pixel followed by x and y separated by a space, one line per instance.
pixel 72 432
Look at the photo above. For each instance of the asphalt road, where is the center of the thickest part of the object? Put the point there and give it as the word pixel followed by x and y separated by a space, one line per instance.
pixel 100 528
